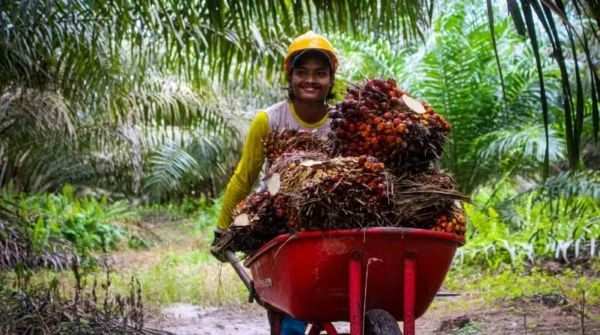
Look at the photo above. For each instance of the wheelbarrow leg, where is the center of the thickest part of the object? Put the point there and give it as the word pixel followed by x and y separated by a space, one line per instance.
pixel 409 295
pixel 355 287
pixel 275 320
pixel 328 327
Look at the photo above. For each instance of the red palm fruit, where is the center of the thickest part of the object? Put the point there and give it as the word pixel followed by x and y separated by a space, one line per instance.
pixel 391 94
pixel 360 150
pixel 372 185
pixel 377 120
pixel 380 127
pixel 394 101
pixel 361 126
pixel 384 106
pixel 402 116
pixel 371 83
pixel 363 110
pixel 381 186
pixel 364 134
pixel 374 140
pixel 280 213
pixel 351 128
pixel 392 82
pixel 408 123
pixel 400 128
pixel 388 131
pixel 396 121
pixel 398 140
pixel 380 138
pixel 391 139
pixel 387 115
pixel 369 129
pixel 389 125
pixel 341 133
pixel 266 194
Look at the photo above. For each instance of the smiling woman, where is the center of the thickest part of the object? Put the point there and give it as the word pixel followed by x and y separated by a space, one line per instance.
pixel 310 68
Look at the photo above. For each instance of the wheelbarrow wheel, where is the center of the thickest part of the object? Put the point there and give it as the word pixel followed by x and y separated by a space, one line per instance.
pixel 380 322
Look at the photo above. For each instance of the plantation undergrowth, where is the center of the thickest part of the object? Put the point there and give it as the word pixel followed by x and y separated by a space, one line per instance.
pixel 170 260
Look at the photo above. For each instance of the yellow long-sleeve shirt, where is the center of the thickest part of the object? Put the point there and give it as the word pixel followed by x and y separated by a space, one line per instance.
pixel 252 160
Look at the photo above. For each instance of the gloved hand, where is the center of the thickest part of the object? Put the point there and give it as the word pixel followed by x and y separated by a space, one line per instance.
pixel 220 256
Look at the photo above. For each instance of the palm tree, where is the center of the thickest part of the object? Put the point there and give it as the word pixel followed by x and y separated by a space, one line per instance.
pixel 98 69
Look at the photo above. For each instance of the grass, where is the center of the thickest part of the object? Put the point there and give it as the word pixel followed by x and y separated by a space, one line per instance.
pixel 177 268
pixel 512 287
pixel 181 269
pixel 174 266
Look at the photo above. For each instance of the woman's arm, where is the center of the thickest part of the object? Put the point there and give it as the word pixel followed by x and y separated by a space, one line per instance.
pixel 247 171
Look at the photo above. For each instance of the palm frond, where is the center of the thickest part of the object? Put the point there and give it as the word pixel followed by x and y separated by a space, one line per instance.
pixel 529 142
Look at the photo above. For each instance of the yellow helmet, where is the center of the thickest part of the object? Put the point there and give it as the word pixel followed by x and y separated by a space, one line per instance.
pixel 310 40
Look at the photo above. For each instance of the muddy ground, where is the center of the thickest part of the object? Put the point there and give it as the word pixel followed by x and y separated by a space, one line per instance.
pixel 443 318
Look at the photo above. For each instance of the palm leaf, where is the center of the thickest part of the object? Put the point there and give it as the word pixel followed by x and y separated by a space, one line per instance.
pixel 533 37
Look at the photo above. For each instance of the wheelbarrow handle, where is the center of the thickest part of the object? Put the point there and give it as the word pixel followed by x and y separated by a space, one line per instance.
pixel 241 272
pixel 239 268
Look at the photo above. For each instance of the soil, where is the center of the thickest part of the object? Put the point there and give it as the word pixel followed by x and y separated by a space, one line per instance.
pixel 444 317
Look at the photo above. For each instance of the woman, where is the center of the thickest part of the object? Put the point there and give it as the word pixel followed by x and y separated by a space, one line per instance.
pixel 310 67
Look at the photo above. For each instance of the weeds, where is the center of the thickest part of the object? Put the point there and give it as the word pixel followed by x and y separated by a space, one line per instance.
pixel 44 309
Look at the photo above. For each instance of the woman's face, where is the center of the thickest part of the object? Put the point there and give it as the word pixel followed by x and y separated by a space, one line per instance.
pixel 311 80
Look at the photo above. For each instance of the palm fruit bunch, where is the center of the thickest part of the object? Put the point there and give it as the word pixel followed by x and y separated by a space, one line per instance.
pixel 286 140
pixel 381 120
pixel 453 222
pixel 333 193
pixel 257 219
pixel 420 197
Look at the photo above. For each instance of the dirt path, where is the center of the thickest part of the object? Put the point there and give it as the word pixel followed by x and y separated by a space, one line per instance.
pixel 440 320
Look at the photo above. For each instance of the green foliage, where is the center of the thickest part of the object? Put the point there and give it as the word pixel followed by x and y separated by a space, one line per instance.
pixel 515 228
pixel 571 283
pixel 89 224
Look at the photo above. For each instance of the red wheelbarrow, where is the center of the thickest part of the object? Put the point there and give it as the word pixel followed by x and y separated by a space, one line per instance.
pixel 370 277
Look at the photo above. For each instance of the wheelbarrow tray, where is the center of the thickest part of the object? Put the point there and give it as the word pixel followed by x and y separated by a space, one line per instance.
pixel 306 275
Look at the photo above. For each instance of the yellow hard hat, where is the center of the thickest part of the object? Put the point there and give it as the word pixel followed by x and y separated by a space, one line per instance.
pixel 310 40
